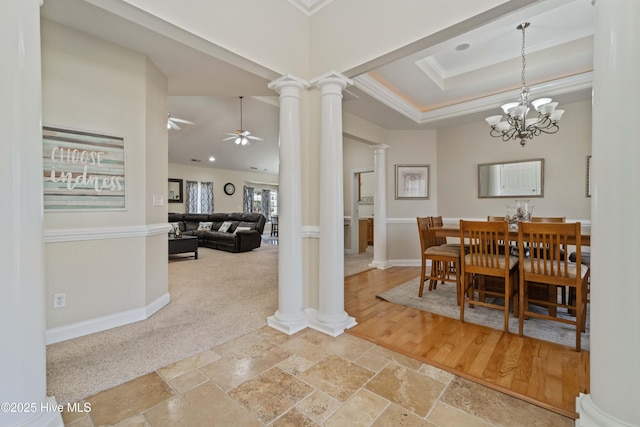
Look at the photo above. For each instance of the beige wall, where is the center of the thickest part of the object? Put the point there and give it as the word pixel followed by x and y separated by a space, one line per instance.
pixel 462 148
pixel 219 177
pixel 92 85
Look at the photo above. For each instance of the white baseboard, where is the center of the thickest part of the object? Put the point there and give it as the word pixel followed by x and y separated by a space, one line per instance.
pixel 86 327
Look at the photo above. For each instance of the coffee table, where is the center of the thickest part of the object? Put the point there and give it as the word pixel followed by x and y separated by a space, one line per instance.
pixel 184 244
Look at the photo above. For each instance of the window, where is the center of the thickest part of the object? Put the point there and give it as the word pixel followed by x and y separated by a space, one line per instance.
pixel 273 205
pixel 199 197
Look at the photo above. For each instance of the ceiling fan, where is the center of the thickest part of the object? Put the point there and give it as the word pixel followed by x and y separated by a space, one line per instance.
pixel 241 136
pixel 171 122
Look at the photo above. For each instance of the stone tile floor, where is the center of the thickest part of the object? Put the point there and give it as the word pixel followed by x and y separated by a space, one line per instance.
pixel 268 378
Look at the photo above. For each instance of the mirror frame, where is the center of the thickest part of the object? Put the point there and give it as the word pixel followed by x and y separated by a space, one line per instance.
pixel 179 182
pixel 511 196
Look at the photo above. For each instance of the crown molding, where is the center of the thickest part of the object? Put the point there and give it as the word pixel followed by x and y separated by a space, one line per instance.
pixel 309 7
pixel 556 87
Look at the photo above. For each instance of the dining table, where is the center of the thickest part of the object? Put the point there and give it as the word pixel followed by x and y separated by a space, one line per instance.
pixel 451 230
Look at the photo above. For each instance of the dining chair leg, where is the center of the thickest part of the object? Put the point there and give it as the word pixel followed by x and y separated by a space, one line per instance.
pixel 422 277
pixel 522 292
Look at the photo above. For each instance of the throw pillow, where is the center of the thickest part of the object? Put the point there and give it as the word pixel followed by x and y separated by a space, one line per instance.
pixel 174 226
pixel 239 228
pixel 225 226
pixel 205 226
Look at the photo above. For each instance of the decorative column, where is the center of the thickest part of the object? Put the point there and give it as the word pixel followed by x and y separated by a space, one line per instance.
pixel 380 207
pixel 615 202
pixel 22 306
pixel 290 316
pixel 331 317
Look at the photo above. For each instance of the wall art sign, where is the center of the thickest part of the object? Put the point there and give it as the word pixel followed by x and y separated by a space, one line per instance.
pixel 82 170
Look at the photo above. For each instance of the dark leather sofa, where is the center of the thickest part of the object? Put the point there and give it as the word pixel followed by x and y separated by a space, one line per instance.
pixel 247 238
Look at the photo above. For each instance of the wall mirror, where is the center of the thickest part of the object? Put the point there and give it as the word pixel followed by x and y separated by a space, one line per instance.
pixel 511 179
pixel 175 191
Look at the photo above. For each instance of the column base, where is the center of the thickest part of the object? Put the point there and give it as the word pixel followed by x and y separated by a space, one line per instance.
pixel 288 326
pixel 46 418
pixel 382 265
pixel 332 329
pixel 592 416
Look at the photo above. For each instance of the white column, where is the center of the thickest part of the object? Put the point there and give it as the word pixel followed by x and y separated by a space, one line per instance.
pixel 290 316
pixel 331 318
pixel 380 207
pixel 615 203
pixel 22 306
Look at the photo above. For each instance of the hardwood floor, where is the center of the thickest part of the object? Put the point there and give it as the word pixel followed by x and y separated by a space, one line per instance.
pixel 539 372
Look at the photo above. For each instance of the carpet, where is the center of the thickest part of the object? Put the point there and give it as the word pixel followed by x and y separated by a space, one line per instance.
pixel 214 299
pixel 442 301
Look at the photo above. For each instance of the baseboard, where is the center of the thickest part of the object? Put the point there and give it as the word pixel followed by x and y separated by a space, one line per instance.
pixel 103 323
pixel 406 262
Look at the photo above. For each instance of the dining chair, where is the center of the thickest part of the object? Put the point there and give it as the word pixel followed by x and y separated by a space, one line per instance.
pixel 551 291
pixel 548 219
pixel 485 260
pixel 546 266
pixel 440 257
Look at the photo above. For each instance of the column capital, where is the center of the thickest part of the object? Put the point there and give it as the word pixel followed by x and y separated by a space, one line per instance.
pixel 288 80
pixel 332 77
pixel 378 147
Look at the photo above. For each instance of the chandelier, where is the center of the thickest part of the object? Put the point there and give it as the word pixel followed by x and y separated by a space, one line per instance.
pixel 517 126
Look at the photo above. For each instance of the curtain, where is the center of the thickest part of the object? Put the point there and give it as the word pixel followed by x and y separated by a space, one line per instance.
pixel 206 197
pixel 192 197
pixel 247 199
pixel 266 204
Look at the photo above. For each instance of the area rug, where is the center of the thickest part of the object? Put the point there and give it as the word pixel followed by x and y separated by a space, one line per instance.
pixel 442 301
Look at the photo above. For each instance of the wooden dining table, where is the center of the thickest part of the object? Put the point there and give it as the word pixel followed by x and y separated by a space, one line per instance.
pixel 448 230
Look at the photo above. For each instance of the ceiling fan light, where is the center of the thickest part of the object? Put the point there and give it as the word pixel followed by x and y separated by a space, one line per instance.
pixel 539 102
pixel 245 141
pixel 238 141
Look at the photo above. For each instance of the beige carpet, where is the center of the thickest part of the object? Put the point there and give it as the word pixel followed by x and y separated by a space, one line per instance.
pixel 219 297
pixel 215 299
pixel 442 301
pixel 354 264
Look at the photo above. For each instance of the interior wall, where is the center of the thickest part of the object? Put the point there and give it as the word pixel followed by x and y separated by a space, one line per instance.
pixel 462 148
pixel 222 202
pixel 100 259
pixel 409 148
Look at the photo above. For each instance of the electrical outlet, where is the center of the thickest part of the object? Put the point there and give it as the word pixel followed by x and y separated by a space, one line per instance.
pixel 59 300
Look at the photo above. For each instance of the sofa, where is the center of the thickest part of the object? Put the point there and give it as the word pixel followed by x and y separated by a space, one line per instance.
pixel 232 232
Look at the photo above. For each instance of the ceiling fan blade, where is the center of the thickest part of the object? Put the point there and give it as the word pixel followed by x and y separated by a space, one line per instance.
pixel 182 121
pixel 230 138
pixel 257 138
pixel 173 125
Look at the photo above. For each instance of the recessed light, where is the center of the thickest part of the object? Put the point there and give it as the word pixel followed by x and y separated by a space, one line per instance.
pixel 212 159
pixel 463 46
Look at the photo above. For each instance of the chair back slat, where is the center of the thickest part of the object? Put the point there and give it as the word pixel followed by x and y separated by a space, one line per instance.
pixel 436 221
pixel 547 259
pixel 484 239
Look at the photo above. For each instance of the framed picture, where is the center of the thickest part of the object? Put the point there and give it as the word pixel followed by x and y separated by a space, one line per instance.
pixel 412 181
pixel 588 191
pixel 175 190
